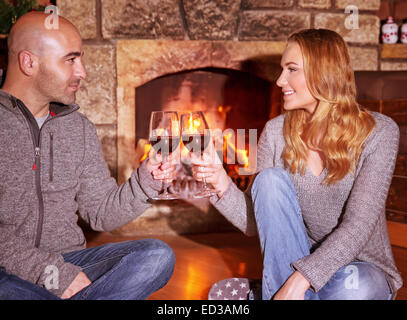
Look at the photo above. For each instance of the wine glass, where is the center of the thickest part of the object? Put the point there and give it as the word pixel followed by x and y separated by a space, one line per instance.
pixel 196 137
pixel 164 136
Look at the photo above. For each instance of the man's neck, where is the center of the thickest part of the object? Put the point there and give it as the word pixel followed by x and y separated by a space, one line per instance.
pixel 37 108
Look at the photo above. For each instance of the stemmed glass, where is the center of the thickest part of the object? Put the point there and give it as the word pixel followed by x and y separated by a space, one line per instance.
pixel 196 137
pixel 164 136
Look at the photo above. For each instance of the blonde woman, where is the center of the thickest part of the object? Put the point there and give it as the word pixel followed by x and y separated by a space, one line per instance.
pixel 324 171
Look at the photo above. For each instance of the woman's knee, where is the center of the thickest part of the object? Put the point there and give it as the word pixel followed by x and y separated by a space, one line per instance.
pixel 271 182
pixel 269 176
pixel 357 281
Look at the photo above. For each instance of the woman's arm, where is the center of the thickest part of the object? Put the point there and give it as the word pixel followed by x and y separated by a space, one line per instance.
pixel 234 204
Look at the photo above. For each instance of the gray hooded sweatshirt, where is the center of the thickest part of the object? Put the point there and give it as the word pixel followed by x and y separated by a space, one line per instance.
pixel 49 175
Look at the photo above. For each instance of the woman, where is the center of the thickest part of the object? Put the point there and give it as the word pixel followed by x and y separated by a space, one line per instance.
pixel 324 171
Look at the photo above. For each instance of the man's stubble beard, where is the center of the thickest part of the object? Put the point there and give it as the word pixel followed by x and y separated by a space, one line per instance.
pixel 52 91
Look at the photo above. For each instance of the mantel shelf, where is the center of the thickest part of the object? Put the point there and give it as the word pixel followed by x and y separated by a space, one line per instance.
pixel 394 51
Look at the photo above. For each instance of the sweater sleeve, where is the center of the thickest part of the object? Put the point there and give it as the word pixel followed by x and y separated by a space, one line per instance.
pixel 22 259
pixel 102 203
pixel 365 204
pixel 236 205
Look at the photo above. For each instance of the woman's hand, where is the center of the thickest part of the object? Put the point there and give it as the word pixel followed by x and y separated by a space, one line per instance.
pixel 209 166
pixel 165 171
pixel 294 288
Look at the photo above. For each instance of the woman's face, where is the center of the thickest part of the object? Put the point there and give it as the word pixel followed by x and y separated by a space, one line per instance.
pixel 292 80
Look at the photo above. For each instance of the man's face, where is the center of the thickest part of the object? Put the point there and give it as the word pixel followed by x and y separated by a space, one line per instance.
pixel 60 67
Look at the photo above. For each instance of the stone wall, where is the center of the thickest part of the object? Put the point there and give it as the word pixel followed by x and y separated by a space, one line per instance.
pixel 104 24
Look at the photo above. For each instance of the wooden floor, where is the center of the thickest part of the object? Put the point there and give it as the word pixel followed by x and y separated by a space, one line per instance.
pixel 202 259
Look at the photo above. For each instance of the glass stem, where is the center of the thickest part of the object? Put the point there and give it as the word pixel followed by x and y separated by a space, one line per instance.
pixel 205 186
pixel 165 192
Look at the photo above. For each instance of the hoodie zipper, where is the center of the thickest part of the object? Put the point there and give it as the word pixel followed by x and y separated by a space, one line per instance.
pixel 37 150
pixel 51 157
pixel 36 138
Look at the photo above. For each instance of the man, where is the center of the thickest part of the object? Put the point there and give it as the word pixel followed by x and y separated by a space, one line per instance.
pixel 51 166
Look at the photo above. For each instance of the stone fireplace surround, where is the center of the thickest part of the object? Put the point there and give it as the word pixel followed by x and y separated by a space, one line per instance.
pixel 127 43
pixel 156 58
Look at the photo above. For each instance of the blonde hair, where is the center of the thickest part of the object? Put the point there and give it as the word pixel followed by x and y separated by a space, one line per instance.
pixel 339 126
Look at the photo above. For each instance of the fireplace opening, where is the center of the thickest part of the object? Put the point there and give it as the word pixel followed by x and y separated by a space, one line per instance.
pixel 234 102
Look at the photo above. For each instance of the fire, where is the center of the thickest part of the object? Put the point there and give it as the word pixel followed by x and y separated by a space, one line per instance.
pixel 193 125
pixel 241 154
pixel 229 147
pixel 147 148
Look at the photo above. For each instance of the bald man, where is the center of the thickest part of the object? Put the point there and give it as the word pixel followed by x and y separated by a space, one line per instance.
pixel 52 167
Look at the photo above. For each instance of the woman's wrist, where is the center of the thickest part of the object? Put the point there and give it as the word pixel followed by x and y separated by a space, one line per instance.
pixel 300 281
pixel 223 183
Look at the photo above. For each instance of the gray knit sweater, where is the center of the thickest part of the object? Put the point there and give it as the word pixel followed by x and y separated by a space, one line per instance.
pixel 345 222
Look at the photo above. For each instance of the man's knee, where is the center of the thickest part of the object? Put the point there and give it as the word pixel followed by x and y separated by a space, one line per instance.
pixel 159 257
pixel 165 255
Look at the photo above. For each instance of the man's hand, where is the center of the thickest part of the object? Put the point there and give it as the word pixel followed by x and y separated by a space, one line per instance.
pixel 294 288
pixel 163 170
pixel 81 281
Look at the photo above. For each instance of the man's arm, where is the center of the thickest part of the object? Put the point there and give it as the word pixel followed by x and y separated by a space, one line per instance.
pixel 104 204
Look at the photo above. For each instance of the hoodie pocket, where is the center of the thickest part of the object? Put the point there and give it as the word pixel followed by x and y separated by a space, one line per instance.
pixel 51 157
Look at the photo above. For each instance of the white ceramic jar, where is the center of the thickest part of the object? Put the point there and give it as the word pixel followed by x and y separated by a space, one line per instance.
pixel 404 32
pixel 390 31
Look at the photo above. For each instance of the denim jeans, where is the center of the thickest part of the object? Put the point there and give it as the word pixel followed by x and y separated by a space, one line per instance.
pixel 130 270
pixel 283 240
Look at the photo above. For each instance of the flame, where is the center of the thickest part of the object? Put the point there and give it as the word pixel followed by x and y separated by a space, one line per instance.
pixel 193 125
pixel 147 148
pixel 241 154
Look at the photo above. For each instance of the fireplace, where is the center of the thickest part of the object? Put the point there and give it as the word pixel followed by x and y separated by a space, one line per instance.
pixel 236 104
pixel 204 75
pixel 232 82
pixel 129 43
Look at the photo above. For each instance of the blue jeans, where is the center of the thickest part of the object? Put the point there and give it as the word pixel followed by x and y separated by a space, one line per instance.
pixel 283 240
pixel 130 270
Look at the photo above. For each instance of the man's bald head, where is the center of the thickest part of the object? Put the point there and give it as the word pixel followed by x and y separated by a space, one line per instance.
pixel 31 32
pixel 44 62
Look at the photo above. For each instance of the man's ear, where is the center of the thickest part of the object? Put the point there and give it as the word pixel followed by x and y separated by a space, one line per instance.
pixel 28 62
